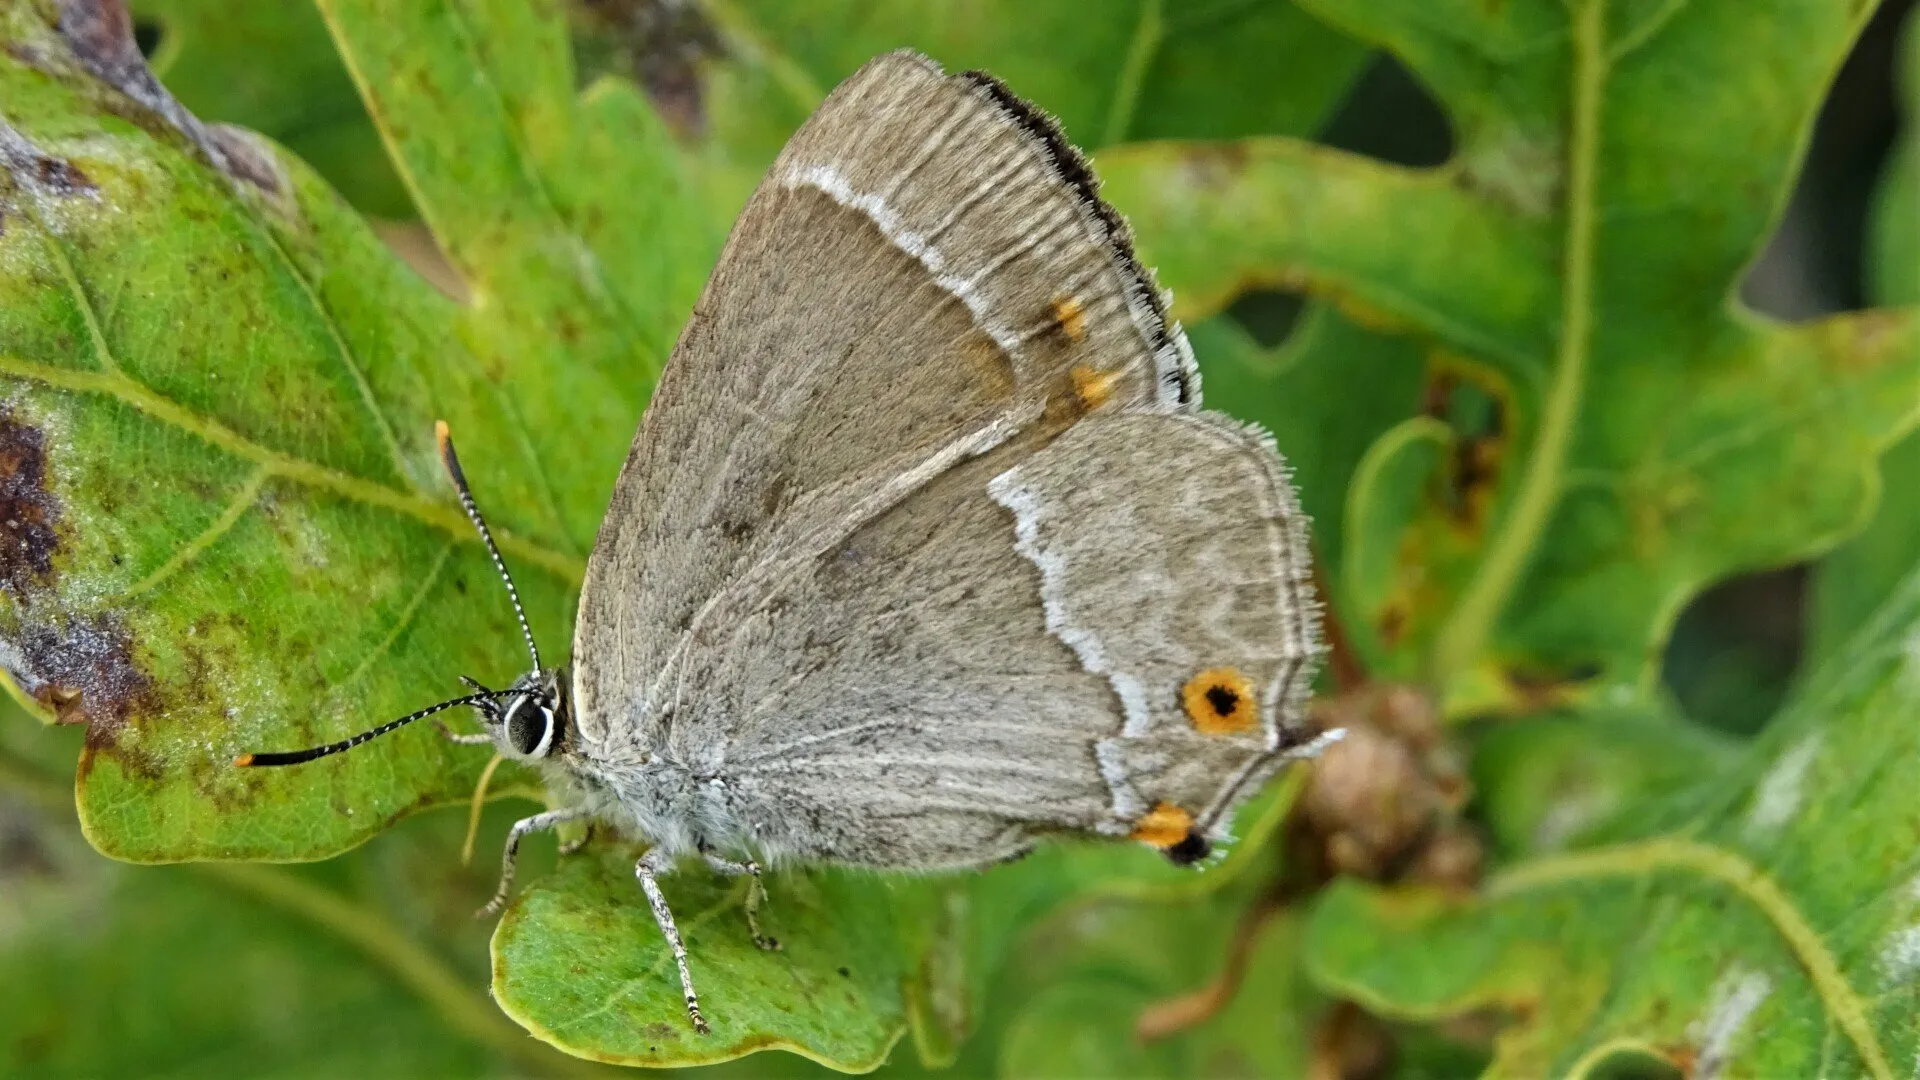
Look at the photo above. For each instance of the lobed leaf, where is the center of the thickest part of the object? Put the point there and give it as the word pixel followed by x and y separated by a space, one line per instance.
pixel 1604 431
pixel 1760 921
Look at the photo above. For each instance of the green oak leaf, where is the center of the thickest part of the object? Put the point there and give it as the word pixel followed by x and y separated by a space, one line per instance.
pixel 1760 921
pixel 284 563
pixel 1111 73
pixel 1853 580
pixel 865 958
pixel 1559 781
pixel 1606 430
pixel 570 965
pixel 1093 982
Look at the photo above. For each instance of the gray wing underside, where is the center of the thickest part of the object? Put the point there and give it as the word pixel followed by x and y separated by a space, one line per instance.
pixel 892 290
pixel 882 559
pixel 1002 655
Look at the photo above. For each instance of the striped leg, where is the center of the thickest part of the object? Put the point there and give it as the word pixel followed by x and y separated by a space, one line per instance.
pixel 456 738
pixel 536 823
pixel 650 866
pixel 756 894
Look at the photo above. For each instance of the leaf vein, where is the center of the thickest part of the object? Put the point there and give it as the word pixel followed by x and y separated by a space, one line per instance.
pixel 236 508
pixel 1844 1003
pixel 1538 494
pixel 89 314
pixel 1149 31
pixel 407 614
pixel 375 410
pixel 440 516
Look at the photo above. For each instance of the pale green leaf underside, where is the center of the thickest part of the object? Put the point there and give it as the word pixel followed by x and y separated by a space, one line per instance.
pixel 1765 915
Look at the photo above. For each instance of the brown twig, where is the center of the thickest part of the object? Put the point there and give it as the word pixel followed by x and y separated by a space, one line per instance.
pixel 1342 663
pixel 1173 1015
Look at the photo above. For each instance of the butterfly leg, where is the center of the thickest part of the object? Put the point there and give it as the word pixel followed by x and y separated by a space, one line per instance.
pixel 454 737
pixel 536 823
pixel 651 866
pixel 756 894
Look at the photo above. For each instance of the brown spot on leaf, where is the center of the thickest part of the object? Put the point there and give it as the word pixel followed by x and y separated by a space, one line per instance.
pixel 1393 623
pixel 40 173
pixel 29 516
pixel 1475 405
pixel 1214 166
pixel 83 669
pixel 1540 690
pixel 1351 1044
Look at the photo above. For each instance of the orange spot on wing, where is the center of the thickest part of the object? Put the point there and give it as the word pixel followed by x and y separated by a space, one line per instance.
pixel 1163 826
pixel 1094 388
pixel 1071 316
pixel 1220 701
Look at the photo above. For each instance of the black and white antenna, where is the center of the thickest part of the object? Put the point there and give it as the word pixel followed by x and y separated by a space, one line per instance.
pixel 484 696
pixel 445 440
pixel 296 757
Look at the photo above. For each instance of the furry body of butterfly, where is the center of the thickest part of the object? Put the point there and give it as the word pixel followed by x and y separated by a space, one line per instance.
pixel 925 549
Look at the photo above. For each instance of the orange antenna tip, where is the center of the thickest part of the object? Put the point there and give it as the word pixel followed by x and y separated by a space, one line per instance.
pixel 243 760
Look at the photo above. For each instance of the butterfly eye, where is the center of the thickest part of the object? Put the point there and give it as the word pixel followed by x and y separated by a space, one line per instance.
pixel 529 727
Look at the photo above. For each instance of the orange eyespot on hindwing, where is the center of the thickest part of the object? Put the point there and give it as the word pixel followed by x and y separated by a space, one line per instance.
pixel 1071 317
pixel 1163 826
pixel 1220 701
pixel 1171 829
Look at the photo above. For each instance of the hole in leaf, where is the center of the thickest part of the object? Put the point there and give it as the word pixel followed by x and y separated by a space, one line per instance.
pixel 1267 315
pixel 147 34
pixel 1812 264
pixel 1388 115
pixel 1736 649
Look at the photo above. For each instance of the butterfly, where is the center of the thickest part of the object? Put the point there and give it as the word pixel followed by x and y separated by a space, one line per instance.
pixel 925 550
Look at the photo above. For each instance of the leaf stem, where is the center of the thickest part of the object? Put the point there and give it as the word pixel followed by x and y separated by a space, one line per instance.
pixel 1466 632
pixel 1148 32
pixel 1728 868
pixel 739 28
